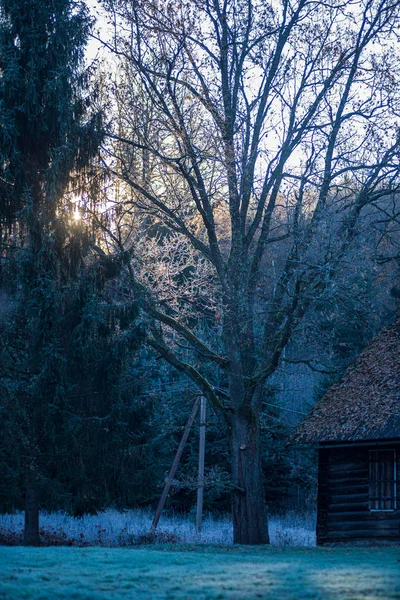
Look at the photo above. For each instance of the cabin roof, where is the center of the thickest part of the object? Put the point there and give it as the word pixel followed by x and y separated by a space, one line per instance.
pixel 365 403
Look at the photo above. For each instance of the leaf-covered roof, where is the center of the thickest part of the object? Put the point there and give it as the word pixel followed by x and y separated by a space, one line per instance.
pixel 365 403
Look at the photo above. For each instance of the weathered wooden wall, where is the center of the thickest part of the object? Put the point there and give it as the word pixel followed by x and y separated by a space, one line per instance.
pixel 343 498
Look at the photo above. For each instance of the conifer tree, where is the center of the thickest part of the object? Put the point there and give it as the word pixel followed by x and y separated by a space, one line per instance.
pixel 46 137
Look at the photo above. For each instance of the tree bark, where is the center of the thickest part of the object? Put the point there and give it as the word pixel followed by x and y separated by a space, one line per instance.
pixel 249 514
pixel 31 528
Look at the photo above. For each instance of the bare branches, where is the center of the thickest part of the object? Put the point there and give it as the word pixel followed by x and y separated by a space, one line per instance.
pixel 201 348
pixel 262 133
pixel 158 343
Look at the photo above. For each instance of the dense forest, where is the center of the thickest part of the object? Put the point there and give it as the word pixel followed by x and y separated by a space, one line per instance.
pixel 209 206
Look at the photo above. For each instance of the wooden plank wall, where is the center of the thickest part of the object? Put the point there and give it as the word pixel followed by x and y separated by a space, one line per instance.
pixel 343 498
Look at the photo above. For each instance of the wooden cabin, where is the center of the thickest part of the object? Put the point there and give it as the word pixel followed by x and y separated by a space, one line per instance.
pixel 356 427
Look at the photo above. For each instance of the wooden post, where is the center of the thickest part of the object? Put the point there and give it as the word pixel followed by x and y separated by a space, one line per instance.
pixel 175 465
pixel 202 449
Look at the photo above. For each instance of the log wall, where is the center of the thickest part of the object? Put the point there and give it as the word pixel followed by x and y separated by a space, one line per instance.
pixel 343 497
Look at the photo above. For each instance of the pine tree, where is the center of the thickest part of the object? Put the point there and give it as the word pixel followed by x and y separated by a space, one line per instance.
pixel 46 137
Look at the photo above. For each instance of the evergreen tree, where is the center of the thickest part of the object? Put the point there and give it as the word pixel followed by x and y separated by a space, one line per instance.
pixel 46 136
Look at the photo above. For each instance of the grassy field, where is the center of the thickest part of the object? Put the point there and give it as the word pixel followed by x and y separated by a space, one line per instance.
pixel 206 572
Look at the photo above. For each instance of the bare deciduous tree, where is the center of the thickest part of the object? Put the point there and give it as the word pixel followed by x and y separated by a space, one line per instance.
pixel 257 132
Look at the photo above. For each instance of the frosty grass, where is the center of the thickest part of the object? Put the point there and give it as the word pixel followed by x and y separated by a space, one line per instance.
pixel 114 528
pixel 199 572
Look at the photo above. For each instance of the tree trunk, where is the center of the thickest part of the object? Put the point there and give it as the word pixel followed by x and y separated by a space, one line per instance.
pixel 250 525
pixel 31 529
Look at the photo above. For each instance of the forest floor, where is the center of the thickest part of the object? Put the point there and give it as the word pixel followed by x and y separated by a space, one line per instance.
pixel 193 572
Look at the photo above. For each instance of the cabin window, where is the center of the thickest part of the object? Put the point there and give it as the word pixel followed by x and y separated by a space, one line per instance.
pixel 382 480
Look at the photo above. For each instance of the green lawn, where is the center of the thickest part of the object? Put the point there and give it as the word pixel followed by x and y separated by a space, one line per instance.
pixel 190 572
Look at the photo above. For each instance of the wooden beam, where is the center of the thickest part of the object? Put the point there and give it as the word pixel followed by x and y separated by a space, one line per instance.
pixel 202 449
pixel 175 465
